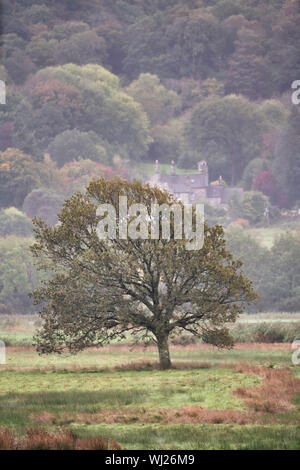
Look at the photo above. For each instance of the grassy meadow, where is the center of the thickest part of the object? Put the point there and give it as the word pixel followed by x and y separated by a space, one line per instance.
pixel 245 398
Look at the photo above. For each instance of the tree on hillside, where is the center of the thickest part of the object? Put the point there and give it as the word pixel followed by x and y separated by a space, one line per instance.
pixel 57 107
pixel 88 98
pixel 67 29
pixel 14 222
pixel 159 103
pixel 18 66
pixel 252 169
pixel 41 52
pixel 252 207
pixel 18 275
pixel 256 263
pixel 16 119
pixel 19 175
pixel 285 44
pixel 43 203
pixel 101 289
pixel 249 72
pixel 75 176
pixel 287 161
pixel 283 285
pixel 168 141
pixel 82 48
pixel 6 131
pixel 228 132
pixel 182 43
pixel 72 145
pixel 266 182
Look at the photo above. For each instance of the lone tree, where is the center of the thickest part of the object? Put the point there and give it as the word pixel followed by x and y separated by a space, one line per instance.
pixel 101 289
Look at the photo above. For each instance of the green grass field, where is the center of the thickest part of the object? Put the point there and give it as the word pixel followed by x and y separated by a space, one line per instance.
pixel 146 170
pixel 246 398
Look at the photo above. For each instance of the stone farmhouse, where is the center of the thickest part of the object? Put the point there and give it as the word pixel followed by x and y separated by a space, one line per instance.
pixel 194 187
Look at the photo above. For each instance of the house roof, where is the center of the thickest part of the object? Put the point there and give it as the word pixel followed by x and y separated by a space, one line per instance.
pixel 184 183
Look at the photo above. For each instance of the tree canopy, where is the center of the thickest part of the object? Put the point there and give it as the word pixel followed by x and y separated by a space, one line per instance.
pixel 81 99
pixel 229 131
pixel 19 175
pixel 101 289
pixel 134 73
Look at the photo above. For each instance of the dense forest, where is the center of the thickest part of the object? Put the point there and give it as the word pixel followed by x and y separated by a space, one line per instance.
pixel 103 88
pixel 163 79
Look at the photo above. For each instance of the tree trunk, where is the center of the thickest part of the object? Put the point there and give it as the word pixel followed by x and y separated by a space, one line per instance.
pixel 163 351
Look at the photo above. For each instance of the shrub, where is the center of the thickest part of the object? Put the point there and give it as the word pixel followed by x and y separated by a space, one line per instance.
pixel 215 215
pixel 252 207
pixel 266 333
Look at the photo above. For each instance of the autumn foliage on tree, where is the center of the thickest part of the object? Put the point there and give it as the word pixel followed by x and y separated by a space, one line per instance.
pixel 266 182
pixel 75 176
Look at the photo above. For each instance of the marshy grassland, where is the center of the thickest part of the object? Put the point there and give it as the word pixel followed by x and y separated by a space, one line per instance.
pixel 245 398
